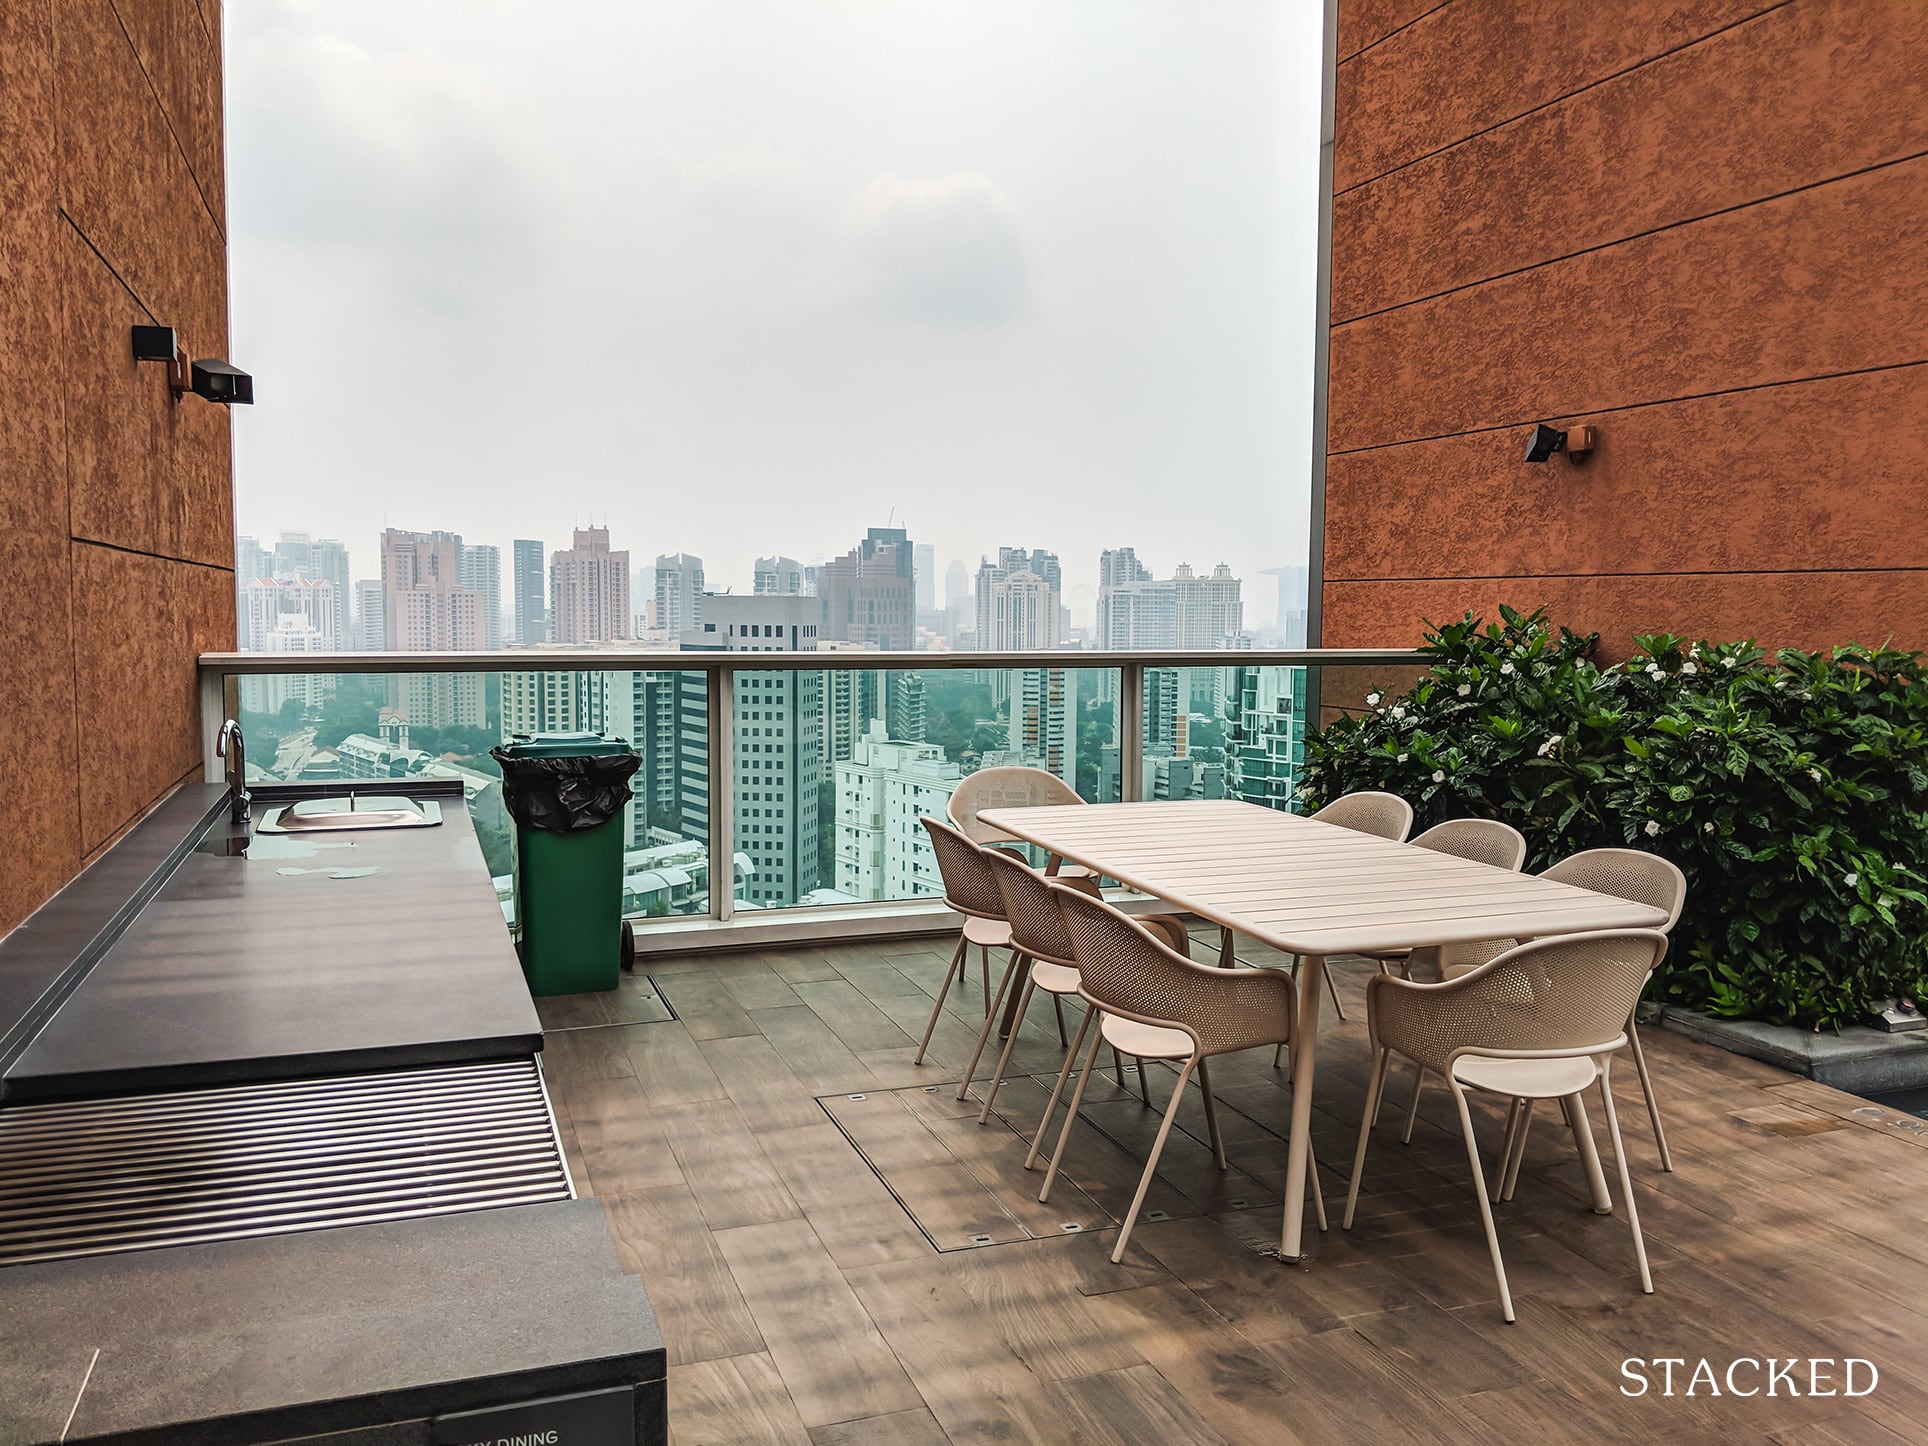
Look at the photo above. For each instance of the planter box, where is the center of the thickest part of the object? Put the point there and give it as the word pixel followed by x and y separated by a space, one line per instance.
pixel 1859 1060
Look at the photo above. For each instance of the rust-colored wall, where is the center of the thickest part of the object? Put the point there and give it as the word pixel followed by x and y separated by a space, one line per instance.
pixel 116 504
pixel 1700 226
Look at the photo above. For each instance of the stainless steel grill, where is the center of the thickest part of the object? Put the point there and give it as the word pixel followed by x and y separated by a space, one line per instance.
pixel 89 1177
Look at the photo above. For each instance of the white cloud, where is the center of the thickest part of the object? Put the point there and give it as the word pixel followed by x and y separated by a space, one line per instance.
pixel 945 251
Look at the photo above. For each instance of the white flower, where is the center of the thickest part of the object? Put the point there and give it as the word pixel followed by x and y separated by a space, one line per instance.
pixel 1885 901
pixel 1690 668
pixel 1372 700
pixel 1780 682
pixel 1398 710
pixel 1853 881
pixel 1547 748
pixel 1506 670
pixel 1707 827
pixel 1653 828
pixel 1464 689
pixel 1730 662
pixel 1654 670
pixel 1404 756
pixel 1439 775
pixel 1815 774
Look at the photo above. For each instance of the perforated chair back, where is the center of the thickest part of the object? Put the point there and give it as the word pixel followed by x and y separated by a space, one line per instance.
pixel 1631 874
pixel 1003 788
pixel 1385 815
pixel 1124 970
pixel 1483 840
pixel 1571 993
pixel 969 885
pixel 1037 924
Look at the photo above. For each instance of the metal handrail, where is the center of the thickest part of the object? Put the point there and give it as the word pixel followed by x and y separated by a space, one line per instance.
pixel 550 658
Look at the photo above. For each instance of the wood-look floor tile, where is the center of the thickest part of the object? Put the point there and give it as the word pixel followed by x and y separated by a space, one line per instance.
pixel 732 1401
pixel 723 1164
pixel 900 1428
pixel 1131 1406
pixel 660 1236
pixel 833 1360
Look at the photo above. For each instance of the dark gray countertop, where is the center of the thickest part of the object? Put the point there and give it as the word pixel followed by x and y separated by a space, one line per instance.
pixel 295 1335
pixel 309 955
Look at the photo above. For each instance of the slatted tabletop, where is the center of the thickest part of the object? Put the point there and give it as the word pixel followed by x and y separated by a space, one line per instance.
pixel 1311 889
pixel 1307 887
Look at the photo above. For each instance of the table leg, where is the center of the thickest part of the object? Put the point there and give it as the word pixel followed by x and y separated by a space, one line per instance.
pixel 1298 1145
pixel 1006 1024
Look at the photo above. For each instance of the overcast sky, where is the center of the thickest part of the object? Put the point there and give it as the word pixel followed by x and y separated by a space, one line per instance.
pixel 749 276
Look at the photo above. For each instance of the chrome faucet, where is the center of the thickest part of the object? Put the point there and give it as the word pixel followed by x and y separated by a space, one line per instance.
pixel 233 747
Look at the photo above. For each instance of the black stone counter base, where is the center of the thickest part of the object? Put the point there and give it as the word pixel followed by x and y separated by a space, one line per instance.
pixel 317 954
pixel 359 1335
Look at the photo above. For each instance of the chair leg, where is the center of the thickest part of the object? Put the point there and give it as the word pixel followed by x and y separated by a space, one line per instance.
pixel 1332 988
pixel 1004 1056
pixel 1626 1181
pixel 1382 1061
pixel 1505 1156
pixel 1479 1191
pixel 1576 1115
pixel 1318 1191
pixel 1144 1093
pixel 1211 1117
pixel 1278 1053
pixel 984 954
pixel 1519 1151
pixel 1118 1068
pixel 953 973
pixel 1412 1110
pixel 990 1015
pixel 1077 1098
pixel 1227 959
pixel 1064 1073
pixel 1057 1008
pixel 1157 1148
pixel 1647 1089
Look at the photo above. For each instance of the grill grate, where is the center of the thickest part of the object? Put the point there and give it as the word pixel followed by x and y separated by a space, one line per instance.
pixel 90 1177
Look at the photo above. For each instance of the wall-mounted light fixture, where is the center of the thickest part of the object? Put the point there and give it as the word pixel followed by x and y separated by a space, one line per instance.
pixel 210 377
pixel 1578 443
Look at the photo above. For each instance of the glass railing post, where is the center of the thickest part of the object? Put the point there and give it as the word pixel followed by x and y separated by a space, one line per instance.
pixel 722 786
pixel 219 701
pixel 1129 728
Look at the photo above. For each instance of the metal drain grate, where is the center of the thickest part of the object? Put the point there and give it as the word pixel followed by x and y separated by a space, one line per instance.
pixel 90 1177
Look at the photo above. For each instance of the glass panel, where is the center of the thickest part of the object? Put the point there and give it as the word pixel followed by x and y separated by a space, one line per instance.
pixel 1233 731
pixel 324 728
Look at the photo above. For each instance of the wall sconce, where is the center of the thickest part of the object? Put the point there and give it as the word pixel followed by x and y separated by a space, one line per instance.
pixel 211 377
pixel 1578 443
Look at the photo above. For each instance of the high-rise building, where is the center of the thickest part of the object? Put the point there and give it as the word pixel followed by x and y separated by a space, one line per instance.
pixel 264 601
pixel 883 789
pixel 531 592
pixel 957 585
pixel 924 566
pixel 1120 565
pixel 1020 600
pixel 251 559
pixel 426 610
pixel 328 562
pixel 589 590
pixel 1184 611
pixel 1043 720
pixel 1265 739
pixel 778 722
pixel 850 702
pixel 1289 611
pixel 642 706
pixel 679 593
pixel 371 617
pixel 479 569
pixel 869 593
pixel 294 555
pixel 904 713
pixel 553 702
pixel 779 577
pixel 292 633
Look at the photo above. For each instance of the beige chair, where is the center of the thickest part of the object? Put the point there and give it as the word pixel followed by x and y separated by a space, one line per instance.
pixel 971 890
pixel 1009 787
pixel 1038 938
pixel 1384 815
pixel 1626 874
pixel 1152 1002
pixel 1541 1021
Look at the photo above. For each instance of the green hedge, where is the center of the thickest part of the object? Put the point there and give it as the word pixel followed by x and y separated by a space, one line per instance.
pixel 1792 791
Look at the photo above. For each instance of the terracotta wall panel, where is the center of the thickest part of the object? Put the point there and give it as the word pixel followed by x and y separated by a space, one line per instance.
pixel 1809 475
pixel 125 183
pixel 1804 93
pixel 182 59
pixel 1821 282
pixel 37 758
pixel 1474 64
pixel 1811 610
pixel 1367 22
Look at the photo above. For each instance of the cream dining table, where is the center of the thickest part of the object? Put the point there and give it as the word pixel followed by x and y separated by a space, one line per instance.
pixel 1312 889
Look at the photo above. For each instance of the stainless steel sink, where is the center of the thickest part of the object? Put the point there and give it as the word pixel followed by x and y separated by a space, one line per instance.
pixel 325 815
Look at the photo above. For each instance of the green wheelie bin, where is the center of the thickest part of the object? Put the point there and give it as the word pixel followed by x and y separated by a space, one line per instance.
pixel 565 792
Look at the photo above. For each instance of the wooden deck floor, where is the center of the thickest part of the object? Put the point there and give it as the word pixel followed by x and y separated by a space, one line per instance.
pixel 811 1216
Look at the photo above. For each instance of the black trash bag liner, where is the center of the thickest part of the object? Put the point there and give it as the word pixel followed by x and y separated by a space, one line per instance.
pixel 564 795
